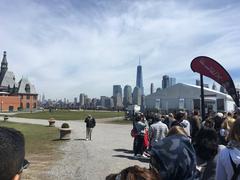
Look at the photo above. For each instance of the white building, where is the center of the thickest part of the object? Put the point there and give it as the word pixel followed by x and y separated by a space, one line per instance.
pixel 185 96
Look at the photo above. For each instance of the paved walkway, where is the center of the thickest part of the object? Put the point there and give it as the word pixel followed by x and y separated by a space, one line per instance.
pixel 108 152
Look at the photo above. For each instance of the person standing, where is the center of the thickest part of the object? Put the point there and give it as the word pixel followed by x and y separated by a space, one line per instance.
pixel 195 123
pixel 228 163
pixel 181 121
pixel 140 128
pixel 157 131
pixel 90 124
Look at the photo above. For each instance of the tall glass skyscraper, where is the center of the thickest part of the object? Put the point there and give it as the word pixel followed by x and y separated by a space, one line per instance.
pixel 168 81
pixel 139 81
pixel 127 98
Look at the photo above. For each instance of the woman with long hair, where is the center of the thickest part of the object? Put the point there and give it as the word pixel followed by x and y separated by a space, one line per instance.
pixel 228 164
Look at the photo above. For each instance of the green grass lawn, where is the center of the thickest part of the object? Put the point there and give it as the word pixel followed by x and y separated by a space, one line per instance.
pixel 38 139
pixel 69 115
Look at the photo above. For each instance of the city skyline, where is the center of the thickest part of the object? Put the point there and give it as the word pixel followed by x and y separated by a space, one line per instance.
pixel 70 47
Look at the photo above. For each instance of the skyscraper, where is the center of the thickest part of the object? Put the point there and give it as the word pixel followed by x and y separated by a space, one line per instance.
pixel 139 80
pixel 117 89
pixel 168 81
pixel 172 81
pixel 165 81
pixel 117 95
pixel 214 87
pixel 152 88
pixel 127 98
pixel 222 89
pixel 81 100
pixel 137 97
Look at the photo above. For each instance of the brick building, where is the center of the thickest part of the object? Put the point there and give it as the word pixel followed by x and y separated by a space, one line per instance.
pixel 20 96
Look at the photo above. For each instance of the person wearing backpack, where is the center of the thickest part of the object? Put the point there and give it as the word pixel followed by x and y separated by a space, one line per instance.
pixel 90 124
pixel 228 163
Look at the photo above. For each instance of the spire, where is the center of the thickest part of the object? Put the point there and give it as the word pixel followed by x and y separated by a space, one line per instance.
pixel 4 60
pixel 4 64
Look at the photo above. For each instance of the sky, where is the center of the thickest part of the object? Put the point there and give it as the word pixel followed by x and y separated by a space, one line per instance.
pixel 68 47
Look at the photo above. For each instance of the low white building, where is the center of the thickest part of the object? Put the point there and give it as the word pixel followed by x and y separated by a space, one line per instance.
pixel 186 96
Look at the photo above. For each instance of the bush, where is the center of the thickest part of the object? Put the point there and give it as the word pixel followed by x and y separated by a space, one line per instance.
pixel 65 125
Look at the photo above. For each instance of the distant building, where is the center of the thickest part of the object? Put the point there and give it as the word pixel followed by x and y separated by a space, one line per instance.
pixel 165 82
pixel 222 89
pixel 158 89
pixel 103 100
pixel 206 85
pixel 43 98
pixel 168 81
pixel 151 88
pixel 139 80
pixel 214 87
pixel 88 102
pixel 127 98
pixel 198 83
pixel 117 89
pixel 172 81
pixel 91 103
pixel 117 96
pixel 109 103
pixel 75 100
pixel 137 97
pixel 14 96
pixel 81 100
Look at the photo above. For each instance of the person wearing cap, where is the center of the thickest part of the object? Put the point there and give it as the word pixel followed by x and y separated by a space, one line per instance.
pixel 90 124
pixel 12 153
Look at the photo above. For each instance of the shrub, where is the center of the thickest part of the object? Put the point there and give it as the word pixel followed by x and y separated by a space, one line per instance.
pixel 65 125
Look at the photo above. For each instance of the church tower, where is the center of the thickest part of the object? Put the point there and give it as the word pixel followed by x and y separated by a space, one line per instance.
pixel 4 66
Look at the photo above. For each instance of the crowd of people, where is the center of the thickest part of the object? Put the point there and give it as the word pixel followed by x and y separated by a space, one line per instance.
pixel 178 146
pixel 185 146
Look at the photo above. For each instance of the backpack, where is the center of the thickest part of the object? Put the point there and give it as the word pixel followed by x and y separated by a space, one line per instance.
pixel 236 169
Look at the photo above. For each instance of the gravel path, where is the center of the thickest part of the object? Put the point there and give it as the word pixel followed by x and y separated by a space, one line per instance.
pixel 108 152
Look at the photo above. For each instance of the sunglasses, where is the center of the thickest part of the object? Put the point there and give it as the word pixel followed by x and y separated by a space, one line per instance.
pixel 25 165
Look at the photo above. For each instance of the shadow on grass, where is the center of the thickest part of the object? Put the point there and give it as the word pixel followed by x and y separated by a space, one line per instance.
pixel 61 139
pixel 80 139
pixel 127 151
pixel 143 160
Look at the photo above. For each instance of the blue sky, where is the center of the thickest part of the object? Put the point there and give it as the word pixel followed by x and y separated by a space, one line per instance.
pixel 70 47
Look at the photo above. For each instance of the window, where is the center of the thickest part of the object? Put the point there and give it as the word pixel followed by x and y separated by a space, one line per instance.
pixel 28 96
pixel 27 88
pixel 34 105
pixel 28 105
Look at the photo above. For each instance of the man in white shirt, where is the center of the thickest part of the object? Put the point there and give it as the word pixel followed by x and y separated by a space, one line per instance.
pixel 157 131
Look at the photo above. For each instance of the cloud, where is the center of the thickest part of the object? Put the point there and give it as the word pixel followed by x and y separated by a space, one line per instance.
pixel 69 47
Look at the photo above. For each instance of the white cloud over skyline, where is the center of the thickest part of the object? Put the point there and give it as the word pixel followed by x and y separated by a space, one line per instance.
pixel 70 47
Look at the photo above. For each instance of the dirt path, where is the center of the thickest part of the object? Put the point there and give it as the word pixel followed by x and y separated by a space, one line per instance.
pixel 108 152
